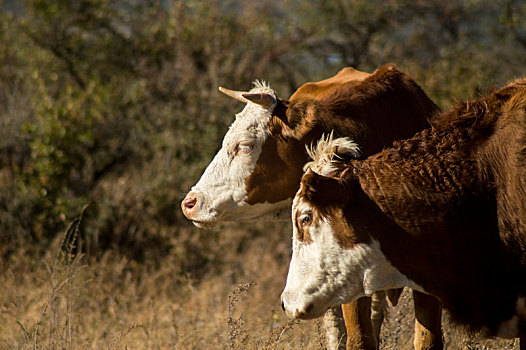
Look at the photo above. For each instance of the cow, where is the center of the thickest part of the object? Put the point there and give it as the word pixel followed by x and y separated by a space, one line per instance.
pixel 443 212
pixel 256 173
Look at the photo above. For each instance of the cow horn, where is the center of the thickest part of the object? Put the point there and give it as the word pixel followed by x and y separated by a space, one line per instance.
pixel 264 100
pixel 238 95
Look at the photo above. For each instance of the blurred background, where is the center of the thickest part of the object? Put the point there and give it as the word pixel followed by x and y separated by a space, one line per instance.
pixel 110 110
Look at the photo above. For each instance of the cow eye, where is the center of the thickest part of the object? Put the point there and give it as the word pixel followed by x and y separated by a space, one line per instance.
pixel 244 147
pixel 305 219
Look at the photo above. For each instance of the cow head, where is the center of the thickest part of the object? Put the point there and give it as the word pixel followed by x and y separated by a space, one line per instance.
pixel 256 172
pixel 333 261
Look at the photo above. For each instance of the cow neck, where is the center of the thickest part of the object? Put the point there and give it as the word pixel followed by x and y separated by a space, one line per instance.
pixel 458 271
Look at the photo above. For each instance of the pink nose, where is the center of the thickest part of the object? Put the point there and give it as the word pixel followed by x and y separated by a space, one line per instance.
pixel 189 204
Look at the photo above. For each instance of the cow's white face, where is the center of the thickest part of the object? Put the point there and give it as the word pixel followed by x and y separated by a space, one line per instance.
pixel 323 273
pixel 220 194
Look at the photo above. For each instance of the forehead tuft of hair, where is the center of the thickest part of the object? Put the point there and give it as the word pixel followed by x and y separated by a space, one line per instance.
pixel 261 86
pixel 328 152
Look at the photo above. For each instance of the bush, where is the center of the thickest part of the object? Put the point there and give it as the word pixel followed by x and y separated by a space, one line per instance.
pixel 114 104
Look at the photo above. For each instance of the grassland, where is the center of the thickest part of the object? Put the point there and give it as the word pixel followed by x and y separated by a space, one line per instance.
pixel 65 300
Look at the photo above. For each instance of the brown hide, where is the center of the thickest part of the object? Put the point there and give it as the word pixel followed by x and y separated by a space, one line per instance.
pixel 373 109
pixel 448 206
pixel 319 90
pixel 503 163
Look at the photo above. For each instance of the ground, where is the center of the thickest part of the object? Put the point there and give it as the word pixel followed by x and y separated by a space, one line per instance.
pixel 73 301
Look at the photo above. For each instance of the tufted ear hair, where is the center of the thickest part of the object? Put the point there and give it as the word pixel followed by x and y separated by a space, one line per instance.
pixel 331 154
pixel 325 190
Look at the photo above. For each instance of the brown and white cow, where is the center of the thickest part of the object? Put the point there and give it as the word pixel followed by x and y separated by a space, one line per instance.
pixel 443 212
pixel 258 169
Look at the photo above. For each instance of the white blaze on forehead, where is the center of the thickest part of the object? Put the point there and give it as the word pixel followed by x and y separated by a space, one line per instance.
pixel 221 191
pixel 327 150
pixel 322 273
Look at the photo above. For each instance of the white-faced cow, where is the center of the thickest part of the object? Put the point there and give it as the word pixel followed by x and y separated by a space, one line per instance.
pixel 257 171
pixel 443 212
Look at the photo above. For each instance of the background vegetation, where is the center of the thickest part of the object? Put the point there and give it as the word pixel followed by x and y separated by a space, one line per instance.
pixel 110 109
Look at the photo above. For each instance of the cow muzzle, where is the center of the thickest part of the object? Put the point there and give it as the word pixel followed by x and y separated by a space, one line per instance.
pixel 189 205
pixel 302 311
pixel 192 207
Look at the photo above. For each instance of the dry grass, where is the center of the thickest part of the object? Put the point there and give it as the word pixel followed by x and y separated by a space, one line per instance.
pixel 68 301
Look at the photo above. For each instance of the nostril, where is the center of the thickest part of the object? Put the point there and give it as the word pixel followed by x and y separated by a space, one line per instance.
pixel 283 305
pixel 189 202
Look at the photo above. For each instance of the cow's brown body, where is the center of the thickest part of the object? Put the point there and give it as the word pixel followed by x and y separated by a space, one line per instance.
pixel 373 109
pixel 448 207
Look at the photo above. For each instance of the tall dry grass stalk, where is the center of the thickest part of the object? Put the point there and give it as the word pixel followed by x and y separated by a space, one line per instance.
pixel 237 333
pixel 55 325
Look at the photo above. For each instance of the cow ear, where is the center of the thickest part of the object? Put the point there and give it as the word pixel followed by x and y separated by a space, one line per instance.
pixel 325 190
pixel 347 153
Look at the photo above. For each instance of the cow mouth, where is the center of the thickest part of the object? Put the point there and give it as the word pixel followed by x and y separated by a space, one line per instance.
pixel 208 225
pixel 308 314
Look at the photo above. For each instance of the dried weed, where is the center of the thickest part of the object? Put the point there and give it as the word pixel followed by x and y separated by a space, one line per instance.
pixel 237 332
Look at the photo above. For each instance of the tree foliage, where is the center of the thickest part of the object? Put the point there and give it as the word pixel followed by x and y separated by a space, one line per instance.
pixel 114 104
